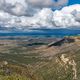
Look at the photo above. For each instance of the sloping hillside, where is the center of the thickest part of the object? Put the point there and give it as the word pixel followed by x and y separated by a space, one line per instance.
pixel 57 62
pixel 64 65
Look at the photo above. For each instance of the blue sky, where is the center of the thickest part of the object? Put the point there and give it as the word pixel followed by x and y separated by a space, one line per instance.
pixel 71 2
pixel 74 2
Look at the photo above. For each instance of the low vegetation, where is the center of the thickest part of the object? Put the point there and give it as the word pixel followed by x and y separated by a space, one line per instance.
pixel 25 63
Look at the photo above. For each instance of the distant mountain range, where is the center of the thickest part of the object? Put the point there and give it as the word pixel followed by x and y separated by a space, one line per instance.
pixel 45 32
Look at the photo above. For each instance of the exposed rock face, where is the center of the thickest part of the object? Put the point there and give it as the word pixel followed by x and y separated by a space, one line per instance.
pixel 67 61
pixel 61 42
pixel 60 46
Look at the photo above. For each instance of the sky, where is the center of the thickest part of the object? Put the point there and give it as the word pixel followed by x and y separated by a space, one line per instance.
pixel 74 2
pixel 29 14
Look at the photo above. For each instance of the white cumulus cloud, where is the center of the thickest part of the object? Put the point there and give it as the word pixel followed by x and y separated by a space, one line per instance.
pixel 28 7
pixel 67 17
pixel 17 7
